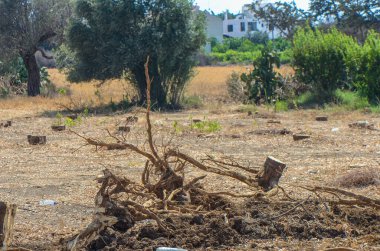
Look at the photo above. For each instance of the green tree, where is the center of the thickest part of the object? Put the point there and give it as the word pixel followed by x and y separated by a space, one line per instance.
pixel 284 16
pixel 26 26
pixel 111 37
pixel 262 81
pixel 325 61
pixel 352 17
pixel 368 81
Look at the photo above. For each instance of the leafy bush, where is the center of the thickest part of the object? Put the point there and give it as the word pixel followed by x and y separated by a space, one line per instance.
pixel 258 37
pixel 324 60
pixel 262 81
pixel 369 76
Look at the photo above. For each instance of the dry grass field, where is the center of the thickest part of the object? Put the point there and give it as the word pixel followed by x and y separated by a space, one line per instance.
pixel 65 168
pixel 207 82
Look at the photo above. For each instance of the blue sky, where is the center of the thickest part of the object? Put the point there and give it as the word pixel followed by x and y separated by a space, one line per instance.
pixel 234 6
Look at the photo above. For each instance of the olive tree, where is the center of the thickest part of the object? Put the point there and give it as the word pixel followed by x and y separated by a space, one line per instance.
pixel 25 27
pixel 111 38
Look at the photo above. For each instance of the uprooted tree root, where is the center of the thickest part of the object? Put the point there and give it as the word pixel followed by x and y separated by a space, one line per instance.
pixel 167 209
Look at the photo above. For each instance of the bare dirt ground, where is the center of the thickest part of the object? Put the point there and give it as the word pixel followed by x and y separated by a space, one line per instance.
pixel 64 170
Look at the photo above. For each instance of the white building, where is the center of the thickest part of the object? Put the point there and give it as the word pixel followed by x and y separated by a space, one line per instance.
pixel 214 29
pixel 245 23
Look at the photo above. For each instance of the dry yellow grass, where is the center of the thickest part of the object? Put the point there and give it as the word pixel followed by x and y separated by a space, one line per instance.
pixel 211 80
pixel 208 82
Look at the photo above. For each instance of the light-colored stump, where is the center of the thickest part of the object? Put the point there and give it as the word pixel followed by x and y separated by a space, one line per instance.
pixel 270 176
pixel 297 137
pixel 7 216
pixel 36 140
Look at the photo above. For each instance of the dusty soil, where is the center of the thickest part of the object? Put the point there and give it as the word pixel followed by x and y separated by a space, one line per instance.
pixel 65 169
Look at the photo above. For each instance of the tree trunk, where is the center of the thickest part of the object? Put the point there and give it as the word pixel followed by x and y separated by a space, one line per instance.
pixel 34 79
pixel 157 94
pixel 7 216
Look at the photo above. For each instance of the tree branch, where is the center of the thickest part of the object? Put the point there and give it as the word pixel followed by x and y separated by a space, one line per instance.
pixel 43 53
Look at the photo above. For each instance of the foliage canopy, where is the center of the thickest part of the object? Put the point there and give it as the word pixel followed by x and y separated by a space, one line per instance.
pixel 112 38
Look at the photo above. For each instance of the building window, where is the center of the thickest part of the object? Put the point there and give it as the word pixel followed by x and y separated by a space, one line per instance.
pixel 242 26
pixel 230 28
pixel 252 26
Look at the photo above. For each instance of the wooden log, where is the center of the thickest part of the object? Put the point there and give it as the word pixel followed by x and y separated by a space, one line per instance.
pixel 7 216
pixel 36 140
pixel 363 124
pixel 58 128
pixel 321 118
pixel 197 120
pixel 270 176
pixel 124 129
pixel 297 137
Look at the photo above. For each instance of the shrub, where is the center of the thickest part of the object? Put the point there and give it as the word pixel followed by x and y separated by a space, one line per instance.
pixel 324 60
pixel 359 178
pixel 369 77
pixel 258 37
pixel 237 88
pixel 262 81
pixel 192 102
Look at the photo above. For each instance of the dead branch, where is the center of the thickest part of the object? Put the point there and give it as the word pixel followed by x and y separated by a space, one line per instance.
pixel 358 199
pixel 252 182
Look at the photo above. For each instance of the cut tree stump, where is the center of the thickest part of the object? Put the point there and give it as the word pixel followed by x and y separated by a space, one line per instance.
pixel 36 140
pixel 124 129
pixel 321 118
pixel 270 176
pixel 132 119
pixel 72 116
pixel 7 216
pixel 297 137
pixel 58 128
pixel 6 124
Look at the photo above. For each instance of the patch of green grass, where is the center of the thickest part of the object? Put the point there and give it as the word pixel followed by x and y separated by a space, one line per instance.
pixel 281 106
pixel 192 102
pixel 207 126
pixel 351 100
pixel 307 99
pixel 375 109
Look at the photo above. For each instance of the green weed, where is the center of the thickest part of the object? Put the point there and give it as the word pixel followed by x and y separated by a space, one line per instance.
pixel 206 126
